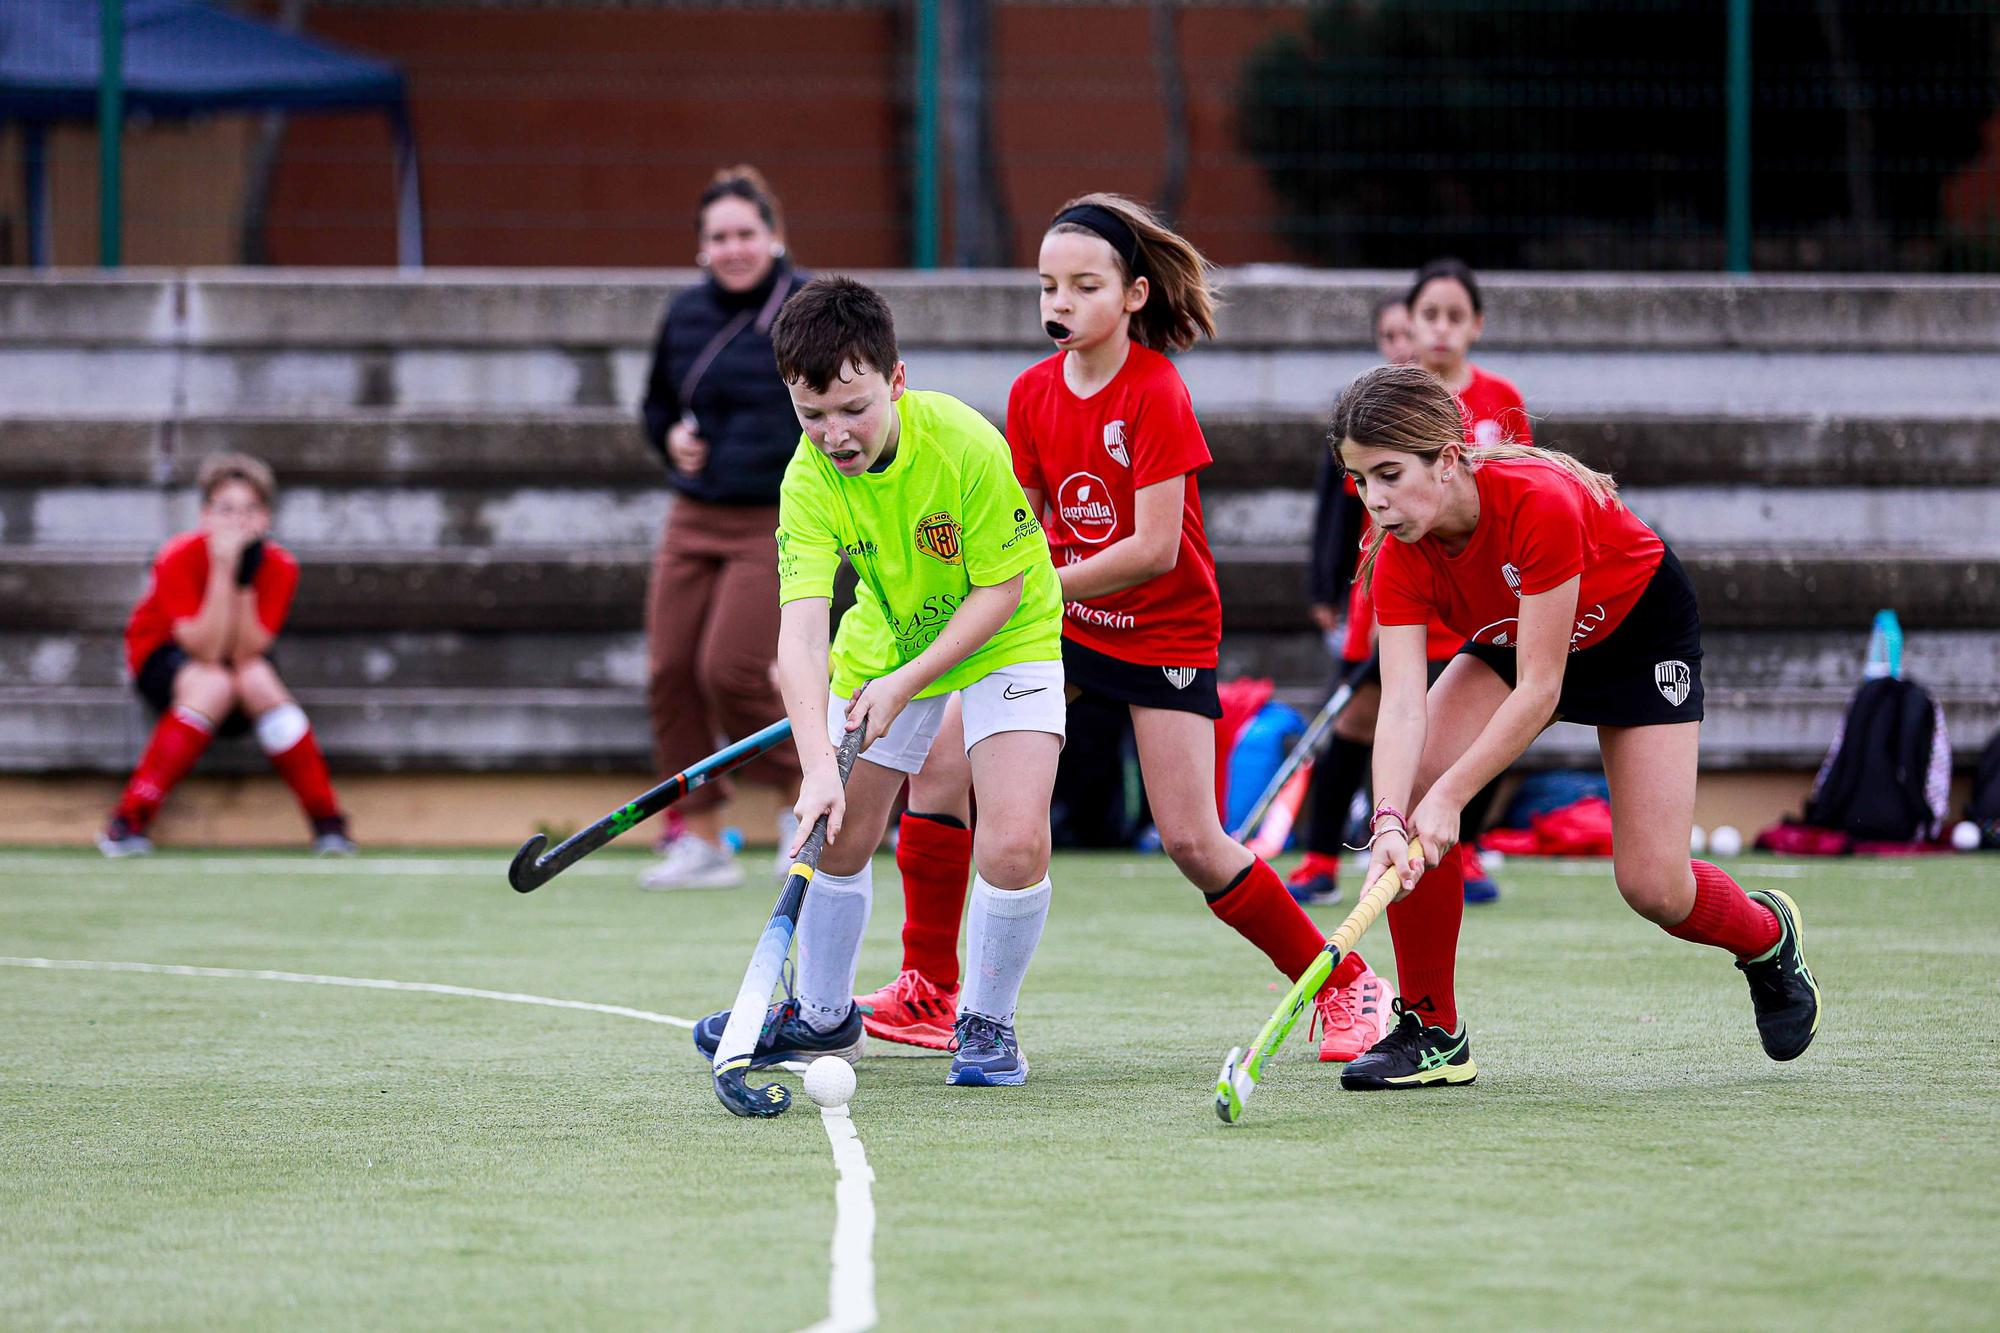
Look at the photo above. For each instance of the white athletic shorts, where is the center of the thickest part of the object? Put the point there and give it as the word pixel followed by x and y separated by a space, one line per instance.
pixel 1027 696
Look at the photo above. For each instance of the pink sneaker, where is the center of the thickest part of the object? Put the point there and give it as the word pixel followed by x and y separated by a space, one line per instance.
pixel 1351 1018
pixel 910 1010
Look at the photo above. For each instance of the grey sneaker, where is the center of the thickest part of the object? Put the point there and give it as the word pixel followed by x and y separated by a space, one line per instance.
pixel 988 1055
pixel 330 837
pixel 693 862
pixel 120 839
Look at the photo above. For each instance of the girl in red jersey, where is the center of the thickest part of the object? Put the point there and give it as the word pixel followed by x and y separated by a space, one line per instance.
pixel 1107 447
pixel 1572 610
pixel 1453 320
pixel 1446 318
pixel 198 646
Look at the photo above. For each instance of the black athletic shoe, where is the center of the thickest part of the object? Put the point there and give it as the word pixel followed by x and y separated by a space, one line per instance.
pixel 1415 1054
pixel 786 1036
pixel 1782 986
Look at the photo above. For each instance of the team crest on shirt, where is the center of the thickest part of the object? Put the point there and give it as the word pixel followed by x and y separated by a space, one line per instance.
pixel 937 537
pixel 1674 680
pixel 1513 577
pixel 1114 443
pixel 1179 677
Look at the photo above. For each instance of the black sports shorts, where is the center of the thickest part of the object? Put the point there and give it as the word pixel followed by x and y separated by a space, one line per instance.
pixel 1182 689
pixel 155 683
pixel 1646 673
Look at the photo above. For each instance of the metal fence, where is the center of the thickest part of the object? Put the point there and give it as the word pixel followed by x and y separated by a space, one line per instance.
pixel 1807 135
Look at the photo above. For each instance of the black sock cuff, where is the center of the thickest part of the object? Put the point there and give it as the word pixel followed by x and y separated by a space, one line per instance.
pixel 948 821
pixel 1231 886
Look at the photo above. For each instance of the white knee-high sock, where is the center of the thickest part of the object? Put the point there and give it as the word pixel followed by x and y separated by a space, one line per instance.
pixel 830 929
pixel 1000 942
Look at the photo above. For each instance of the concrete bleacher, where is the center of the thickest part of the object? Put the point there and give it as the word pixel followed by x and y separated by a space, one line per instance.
pixel 475 513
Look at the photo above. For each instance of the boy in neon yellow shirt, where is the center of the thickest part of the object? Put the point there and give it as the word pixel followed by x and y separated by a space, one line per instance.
pixel 957 594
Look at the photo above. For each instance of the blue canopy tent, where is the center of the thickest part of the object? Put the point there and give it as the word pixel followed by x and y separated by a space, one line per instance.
pixel 183 58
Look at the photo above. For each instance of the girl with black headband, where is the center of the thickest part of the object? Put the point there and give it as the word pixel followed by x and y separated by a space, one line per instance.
pixel 1107 447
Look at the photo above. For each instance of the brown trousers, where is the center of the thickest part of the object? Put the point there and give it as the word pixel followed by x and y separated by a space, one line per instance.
pixel 711 636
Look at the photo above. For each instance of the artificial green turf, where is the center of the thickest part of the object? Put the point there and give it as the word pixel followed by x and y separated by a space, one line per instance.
pixel 191 1152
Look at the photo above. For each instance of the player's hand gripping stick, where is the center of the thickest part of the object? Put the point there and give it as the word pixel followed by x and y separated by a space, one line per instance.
pixel 1241 1073
pixel 753 997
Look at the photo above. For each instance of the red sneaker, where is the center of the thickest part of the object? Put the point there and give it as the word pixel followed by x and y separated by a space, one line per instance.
pixel 1351 1018
pixel 912 1010
pixel 1316 882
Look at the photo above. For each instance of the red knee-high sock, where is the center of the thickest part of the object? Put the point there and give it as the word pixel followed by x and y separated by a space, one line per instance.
pixel 287 737
pixel 935 860
pixel 178 740
pixel 1424 927
pixel 1258 908
pixel 1725 916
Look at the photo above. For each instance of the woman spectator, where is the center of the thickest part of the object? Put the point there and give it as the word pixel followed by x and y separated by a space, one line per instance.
pixel 721 419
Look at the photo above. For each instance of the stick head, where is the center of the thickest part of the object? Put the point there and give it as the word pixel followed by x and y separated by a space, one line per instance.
pixel 525 875
pixel 1233 1088
pixel 753 1103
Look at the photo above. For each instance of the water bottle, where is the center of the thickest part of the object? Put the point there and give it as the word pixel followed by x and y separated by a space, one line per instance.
pixel 1885 648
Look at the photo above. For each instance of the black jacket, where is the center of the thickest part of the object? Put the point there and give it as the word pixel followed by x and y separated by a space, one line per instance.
pixel 1336 537
pixel 740 405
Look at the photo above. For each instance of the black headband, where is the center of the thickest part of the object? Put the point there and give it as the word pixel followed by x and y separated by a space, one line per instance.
pixel 1107 224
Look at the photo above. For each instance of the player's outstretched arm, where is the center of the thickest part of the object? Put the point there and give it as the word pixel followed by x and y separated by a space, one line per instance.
pixel 978 618
pixel 1547 620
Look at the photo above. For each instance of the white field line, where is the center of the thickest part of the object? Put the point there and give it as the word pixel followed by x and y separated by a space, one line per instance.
pixel 492 867
pixel 851 1286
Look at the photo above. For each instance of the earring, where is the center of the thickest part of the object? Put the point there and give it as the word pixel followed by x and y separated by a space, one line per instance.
pixel 1447 475
pixel 778 250
pixel 701 259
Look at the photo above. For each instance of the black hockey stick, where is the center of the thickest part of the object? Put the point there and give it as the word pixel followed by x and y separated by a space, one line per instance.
pixel 533 868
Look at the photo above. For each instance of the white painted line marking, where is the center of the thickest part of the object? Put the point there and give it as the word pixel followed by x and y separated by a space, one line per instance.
pixel 851 1285
pixel 360 983
pixel 850 1295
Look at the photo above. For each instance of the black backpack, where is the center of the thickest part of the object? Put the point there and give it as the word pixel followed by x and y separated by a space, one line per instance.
pixel 1887 774
pixel 1984 807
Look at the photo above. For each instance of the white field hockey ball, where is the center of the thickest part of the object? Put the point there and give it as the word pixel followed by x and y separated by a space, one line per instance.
pixel 1725 841
pixel 1698 840
pixel 830 1081
pixel 1965 835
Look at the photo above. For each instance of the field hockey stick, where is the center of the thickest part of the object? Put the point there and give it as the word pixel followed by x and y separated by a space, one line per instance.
pixel 746 1016
pixel 1241 1073
pixel 1308 747
pixel 533 868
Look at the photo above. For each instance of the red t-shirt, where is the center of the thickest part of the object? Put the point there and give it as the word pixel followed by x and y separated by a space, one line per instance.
pixel 180 578
pixel 1537 529
pixel 1088 456
pixel 1493 413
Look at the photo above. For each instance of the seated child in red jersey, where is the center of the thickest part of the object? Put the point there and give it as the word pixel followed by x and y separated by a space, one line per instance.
pixel 198 647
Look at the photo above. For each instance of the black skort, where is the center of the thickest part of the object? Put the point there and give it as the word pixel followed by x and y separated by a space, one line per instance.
pixel 1646 673
pixel 155 683
pixel 1181 689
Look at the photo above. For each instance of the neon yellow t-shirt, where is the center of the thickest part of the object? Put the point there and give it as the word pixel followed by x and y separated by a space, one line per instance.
pixel 944 516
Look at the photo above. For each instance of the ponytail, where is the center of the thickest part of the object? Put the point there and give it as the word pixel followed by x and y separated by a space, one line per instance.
pixel 1180 302
pixel 1408 409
